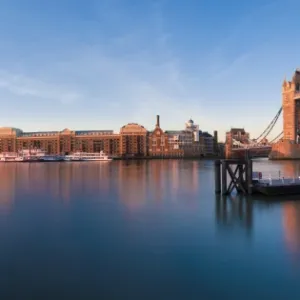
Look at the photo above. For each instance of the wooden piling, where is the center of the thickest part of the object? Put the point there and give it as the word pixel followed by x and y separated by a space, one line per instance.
pixel 241 178
pixel 249 176
pixel 218 176
pixel 238 171
pixel 224 177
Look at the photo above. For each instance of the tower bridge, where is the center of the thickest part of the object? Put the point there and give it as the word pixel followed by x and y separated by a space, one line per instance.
pixel 286 144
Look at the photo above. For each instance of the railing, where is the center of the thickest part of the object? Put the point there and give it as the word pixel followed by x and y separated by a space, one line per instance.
pixel 281 181
pixel 249 145
pixel 276 174
pixel 277 178
pixel 252 147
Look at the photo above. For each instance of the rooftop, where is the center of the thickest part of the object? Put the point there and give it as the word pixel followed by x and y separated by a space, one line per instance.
pixel 205 134
pixel 236 130
pixel 79 132
pixel 39 133
pixel 174 131
pixel 93 132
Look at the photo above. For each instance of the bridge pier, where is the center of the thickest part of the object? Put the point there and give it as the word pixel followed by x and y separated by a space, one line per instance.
pixel 239 173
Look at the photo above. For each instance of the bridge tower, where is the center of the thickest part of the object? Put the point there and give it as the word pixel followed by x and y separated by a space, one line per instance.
pixel 228 147
pixel 291 108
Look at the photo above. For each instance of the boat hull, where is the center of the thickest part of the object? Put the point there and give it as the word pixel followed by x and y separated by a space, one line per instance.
pixel 276 190
pixel 96 159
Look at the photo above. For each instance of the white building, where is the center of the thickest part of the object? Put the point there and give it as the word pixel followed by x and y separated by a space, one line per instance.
pixel 179 139
pixel 191 127
pixel 193 141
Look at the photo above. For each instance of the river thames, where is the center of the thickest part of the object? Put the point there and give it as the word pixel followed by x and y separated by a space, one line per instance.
pixel 143 230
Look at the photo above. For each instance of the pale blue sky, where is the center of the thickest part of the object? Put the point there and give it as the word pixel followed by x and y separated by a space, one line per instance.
pixel 101 64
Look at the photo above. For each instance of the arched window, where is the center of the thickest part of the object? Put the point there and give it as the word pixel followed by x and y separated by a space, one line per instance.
pixel 297 87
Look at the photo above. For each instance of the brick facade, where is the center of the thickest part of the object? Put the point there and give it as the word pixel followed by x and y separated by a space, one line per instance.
pixel 133 141
pixel 291 107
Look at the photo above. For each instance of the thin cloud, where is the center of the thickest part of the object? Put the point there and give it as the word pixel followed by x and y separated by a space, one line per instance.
pixel 26 86
pixel 104 81
pixel 236 47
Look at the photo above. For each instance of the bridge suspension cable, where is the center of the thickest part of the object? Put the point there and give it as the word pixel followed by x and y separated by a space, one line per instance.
pixel 267 131
pixel 276 138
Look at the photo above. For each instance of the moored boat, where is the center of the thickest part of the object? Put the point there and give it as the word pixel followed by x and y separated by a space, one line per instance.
pixel 8 157
pixel 30 155
pixel 84 156
pixel 275 186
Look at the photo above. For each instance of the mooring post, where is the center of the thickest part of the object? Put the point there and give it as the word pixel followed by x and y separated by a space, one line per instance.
pixel 241 177
pixel 224 177
pixel 217 176
pixel 249 176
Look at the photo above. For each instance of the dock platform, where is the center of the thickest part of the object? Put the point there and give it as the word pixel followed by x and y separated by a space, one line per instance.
pixel 274 187
pixel 244 180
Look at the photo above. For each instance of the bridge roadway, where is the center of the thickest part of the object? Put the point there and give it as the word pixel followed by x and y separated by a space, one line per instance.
pixel 262 151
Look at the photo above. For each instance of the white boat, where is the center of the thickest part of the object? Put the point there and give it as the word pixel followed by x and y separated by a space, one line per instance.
pixel 30 155
pixel 71 158
pixel 35 155
pixel 84 156
pixel 8 157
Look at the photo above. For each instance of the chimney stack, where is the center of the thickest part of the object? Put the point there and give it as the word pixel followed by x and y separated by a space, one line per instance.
pixel 157 121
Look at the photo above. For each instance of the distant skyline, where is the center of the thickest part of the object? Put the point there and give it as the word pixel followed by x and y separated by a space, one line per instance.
pixel 102 64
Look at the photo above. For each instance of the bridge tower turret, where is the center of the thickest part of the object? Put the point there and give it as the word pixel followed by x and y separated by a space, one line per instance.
pixel 228 146
pixel 291 107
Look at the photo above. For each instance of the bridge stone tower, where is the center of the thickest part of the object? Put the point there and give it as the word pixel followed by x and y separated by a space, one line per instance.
pixel 291 107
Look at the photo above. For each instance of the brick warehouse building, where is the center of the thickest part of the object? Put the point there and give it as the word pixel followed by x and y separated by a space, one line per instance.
pixel 133 140
pixel 61 142
pixel 159 145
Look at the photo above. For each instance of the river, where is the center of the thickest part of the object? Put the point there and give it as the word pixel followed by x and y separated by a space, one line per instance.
pixel 143 230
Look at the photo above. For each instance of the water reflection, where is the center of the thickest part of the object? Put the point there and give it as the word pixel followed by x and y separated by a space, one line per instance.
pixel 273 168
pixel 291 169
pixel 67 226
pixel 291 225
pixel 157 181
pixel 56 180
pixel 132 182
pixel 8 185
pixel 234 212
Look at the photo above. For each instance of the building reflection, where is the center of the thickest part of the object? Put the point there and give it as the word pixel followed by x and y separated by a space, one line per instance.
pixel 8 184
pixel 185 178
pixel 175 175
pixel 157 181
pixel 291 225
pixel 158 175
pixel 290 169
pixel 234 211
pixel 55 180
pixel 132 183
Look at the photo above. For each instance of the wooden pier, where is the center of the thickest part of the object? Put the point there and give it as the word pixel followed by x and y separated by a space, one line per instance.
pixel 239 173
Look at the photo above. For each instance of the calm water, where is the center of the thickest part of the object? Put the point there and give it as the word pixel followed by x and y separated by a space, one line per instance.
pixel 143 230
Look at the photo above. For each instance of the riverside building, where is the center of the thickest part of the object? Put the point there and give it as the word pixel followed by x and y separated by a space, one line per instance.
pixel 133 140
pixel 189 142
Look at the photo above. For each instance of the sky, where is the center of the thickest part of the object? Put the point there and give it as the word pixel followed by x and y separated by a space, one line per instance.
pixel 100 64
